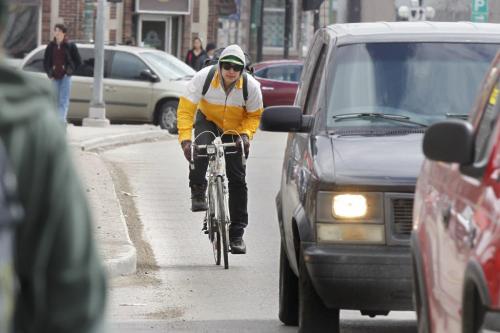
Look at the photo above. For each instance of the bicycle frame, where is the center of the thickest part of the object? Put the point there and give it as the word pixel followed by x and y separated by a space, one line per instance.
pixel 218 210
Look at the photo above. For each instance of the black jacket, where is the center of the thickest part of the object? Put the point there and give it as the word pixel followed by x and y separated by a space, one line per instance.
pixel 196 62
pixel 73 59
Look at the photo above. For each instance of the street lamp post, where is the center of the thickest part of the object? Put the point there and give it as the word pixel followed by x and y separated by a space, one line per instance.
pixel 97 110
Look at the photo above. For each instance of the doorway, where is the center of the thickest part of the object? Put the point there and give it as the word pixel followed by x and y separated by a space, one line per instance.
pixel 154 31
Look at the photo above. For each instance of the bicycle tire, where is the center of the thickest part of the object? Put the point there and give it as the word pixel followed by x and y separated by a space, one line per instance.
pixel 212 225
pixel 222 221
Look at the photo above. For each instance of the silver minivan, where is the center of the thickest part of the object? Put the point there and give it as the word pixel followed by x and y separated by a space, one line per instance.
pixel 141 85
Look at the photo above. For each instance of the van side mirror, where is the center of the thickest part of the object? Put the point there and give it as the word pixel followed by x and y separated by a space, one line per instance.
pixel 150 76
pixel 285 119
pixel 450 141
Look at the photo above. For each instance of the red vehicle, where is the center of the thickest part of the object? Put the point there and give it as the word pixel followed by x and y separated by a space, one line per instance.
pixel 279 80
pixel 456 238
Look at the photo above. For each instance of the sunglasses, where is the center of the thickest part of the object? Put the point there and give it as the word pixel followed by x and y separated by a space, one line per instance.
pixel 228 65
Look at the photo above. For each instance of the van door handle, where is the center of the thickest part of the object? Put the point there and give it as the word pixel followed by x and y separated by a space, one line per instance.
pixel 267 88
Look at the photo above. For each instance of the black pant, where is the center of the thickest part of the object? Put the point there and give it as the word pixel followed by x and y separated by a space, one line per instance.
pixel 235 171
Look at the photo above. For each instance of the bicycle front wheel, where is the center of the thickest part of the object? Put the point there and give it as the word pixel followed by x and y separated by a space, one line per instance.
pixel 212 225
pixel 222 220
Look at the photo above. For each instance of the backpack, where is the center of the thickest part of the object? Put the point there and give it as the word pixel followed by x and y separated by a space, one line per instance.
pixel 11 214
pixel 215 60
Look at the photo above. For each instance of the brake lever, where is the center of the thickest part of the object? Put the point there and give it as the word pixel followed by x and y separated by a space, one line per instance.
pixel 191 163
pixel 243 159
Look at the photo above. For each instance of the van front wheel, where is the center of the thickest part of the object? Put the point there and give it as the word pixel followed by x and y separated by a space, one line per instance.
pixel 314 316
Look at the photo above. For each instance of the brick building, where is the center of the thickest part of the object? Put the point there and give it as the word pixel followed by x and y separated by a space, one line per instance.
pixel 171 25
pixel 167 25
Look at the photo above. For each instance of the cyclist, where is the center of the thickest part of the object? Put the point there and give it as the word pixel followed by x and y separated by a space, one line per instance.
pixel 223 107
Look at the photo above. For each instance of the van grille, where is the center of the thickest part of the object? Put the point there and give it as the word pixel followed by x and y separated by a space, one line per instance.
pixel 402 212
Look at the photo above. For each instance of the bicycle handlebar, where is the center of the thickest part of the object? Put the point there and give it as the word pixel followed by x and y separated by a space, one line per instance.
pixel 224 145
pixel 227 144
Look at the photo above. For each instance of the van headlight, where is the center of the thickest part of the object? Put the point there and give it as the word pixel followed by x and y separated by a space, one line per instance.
pixel 350 217
pixel 349 207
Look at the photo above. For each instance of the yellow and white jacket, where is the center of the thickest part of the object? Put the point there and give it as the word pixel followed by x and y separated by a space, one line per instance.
pixel 228 112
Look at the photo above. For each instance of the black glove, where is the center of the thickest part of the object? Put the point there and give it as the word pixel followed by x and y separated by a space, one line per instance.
pixel 186 148
pixel 246 143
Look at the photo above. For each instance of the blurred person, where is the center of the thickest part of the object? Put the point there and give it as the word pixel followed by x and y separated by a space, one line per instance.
pixel 197 55
pixel 61 285
pixel 210 50
pixel 233 102
pixel 60 61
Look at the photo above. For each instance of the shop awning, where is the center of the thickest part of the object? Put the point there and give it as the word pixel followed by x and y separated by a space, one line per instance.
pixel 25 2
pixel 179 7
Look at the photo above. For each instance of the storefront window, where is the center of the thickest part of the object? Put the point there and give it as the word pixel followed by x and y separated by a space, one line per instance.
pixel 22 29
pixel 274 23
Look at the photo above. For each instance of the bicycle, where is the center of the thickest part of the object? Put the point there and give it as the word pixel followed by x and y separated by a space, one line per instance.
pixel 216 221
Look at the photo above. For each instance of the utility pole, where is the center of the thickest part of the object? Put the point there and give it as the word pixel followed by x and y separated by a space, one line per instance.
pixel 316 19
pixel 288 22
pixel 97 110
pixel 260 37
pixel 354 11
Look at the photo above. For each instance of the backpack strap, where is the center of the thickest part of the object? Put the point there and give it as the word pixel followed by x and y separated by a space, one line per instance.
pixel 245 87
pixel 208 80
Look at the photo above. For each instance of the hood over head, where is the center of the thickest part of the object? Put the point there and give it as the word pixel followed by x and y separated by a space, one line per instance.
pixel 232 53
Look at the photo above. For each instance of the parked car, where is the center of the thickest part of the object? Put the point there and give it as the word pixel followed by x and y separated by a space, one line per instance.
pixel 12 62
pixel 140 84
pixel 353 154
pixel 279 80
pixel 456 239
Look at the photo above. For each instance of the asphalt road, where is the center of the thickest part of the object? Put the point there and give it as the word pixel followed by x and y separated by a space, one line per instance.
pixel 178 288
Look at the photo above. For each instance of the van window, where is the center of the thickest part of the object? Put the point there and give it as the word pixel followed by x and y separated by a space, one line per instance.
pixel 35 63
pixel 126 66
pixel 87 66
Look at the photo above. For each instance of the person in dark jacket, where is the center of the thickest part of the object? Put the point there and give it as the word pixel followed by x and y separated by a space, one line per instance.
pixel 210 50
pixel 196 56
pixel 60 61
pixel 62 284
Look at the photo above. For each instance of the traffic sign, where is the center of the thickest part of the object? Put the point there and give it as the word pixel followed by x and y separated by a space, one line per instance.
pixel 480 11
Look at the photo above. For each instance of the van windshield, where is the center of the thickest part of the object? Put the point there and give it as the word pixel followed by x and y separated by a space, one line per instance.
pixel 171 67
pixel 422 82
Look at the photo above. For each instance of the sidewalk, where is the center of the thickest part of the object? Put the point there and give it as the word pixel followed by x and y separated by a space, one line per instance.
pixel 111 233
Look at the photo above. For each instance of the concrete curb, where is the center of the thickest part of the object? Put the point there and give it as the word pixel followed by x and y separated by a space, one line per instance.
pixel 124 264
pixel 124 260
pixel 119 253
pixel 121 139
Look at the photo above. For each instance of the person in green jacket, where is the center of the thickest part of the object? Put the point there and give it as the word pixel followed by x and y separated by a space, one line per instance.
pixel 62 284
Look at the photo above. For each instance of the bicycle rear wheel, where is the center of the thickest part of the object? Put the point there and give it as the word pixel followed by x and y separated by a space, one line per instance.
pixel 212 225
pixel 222 220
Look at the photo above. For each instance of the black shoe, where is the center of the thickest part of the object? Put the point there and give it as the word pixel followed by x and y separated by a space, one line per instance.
pixel 198 199
pixel 238 246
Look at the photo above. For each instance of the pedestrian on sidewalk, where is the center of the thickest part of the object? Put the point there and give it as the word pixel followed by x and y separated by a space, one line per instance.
pixel 210 50
pixel 233 102
pixel 60 61
pixel 61 282
pixel 197 55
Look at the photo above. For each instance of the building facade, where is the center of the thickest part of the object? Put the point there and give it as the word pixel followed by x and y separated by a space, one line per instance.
pixel 171 25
